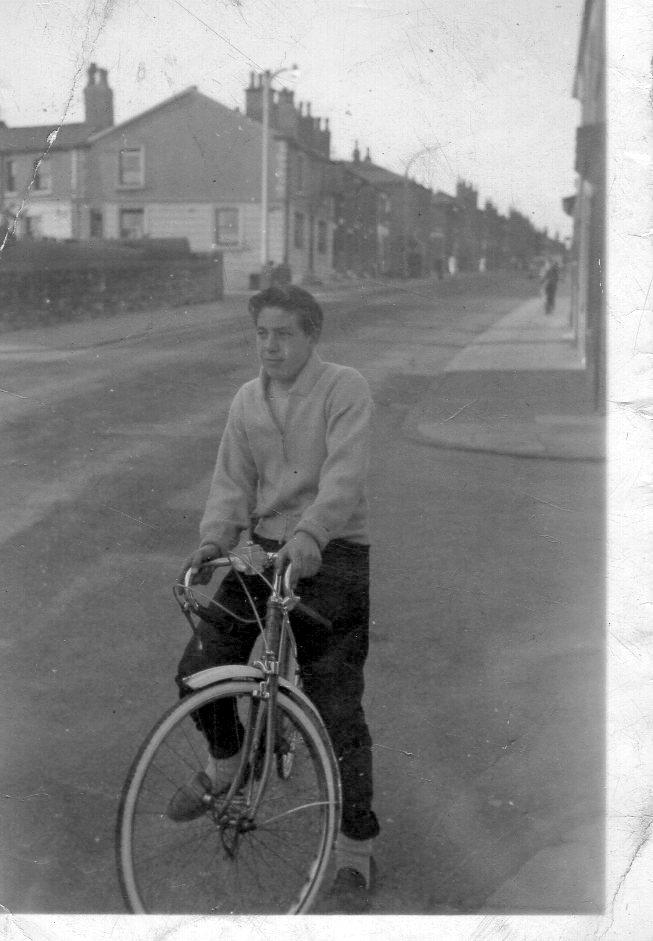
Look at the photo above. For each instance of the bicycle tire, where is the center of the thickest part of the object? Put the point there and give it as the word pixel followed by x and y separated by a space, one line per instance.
pixel 277 867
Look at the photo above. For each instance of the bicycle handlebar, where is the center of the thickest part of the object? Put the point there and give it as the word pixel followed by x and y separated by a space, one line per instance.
pixel 233 561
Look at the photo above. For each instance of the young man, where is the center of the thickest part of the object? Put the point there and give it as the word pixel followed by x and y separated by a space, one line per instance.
pixel 291 470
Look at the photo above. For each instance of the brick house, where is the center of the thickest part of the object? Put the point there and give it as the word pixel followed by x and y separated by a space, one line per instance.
pixel 408 219
pixel 42 168
pixel 361 230
pixel 588 206
pixel 188 167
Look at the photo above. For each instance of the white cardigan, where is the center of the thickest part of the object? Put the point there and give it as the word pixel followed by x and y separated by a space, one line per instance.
pixel 308 475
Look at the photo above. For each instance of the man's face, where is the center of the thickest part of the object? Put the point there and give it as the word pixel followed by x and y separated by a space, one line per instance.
pixel 282 345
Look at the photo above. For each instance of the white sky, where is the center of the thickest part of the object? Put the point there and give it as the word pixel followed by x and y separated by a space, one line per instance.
pixel 488 82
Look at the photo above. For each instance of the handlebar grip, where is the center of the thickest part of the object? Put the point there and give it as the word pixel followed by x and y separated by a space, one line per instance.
pixel 220 562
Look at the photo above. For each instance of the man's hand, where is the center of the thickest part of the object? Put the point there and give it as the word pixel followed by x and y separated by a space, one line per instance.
pixel 200 574
pixel 303 553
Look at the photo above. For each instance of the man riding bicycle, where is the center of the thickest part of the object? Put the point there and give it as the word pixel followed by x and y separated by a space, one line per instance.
pixel 291 474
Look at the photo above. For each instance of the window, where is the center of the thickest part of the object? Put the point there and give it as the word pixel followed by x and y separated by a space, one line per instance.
pixel 33 227
pixel 42 176
pixel 300 173
pixel 131 167
pixel 321 237
pixel 10 175
pixel 299 230
pixel 226 227
pixel 96 226
pixel 132 223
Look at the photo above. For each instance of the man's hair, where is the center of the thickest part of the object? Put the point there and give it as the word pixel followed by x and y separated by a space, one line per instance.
pixel 293 299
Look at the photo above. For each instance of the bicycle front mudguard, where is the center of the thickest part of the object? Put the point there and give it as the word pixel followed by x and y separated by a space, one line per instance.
pixel 233 671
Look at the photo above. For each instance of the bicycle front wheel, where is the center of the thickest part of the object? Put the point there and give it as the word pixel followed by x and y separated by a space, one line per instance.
pixel 215 864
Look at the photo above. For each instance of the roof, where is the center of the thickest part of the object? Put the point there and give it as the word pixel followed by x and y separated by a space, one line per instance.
pixel 373 173
pixel 191 90
pixel 27 139
pixel 441 197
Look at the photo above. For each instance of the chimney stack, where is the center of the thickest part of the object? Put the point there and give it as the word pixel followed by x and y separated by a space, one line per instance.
pixel 254 100
pixel 98 99
pixel 287 116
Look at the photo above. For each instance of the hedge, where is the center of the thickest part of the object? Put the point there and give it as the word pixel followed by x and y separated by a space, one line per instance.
pixel 50 282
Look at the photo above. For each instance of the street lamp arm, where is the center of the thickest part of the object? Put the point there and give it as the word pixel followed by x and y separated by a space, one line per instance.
pixel 286 68
pixel 420 153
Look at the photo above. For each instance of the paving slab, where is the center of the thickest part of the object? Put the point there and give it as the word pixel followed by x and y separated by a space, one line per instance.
pixel 520 388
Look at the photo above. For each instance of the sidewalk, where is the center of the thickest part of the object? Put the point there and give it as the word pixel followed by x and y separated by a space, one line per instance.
pixel 518 389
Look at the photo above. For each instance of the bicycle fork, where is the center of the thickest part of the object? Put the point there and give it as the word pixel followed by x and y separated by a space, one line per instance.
pixel 251 780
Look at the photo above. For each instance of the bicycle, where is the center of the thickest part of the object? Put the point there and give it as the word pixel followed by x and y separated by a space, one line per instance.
pixel 263 844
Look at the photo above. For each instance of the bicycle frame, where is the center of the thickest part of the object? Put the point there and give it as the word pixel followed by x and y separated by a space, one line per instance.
pixel 276 635
pixel 270 671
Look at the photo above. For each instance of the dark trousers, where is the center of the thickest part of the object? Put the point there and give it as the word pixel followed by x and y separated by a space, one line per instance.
pixel 331 666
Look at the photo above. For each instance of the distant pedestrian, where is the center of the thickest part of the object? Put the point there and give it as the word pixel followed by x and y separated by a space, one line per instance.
pixel 550 280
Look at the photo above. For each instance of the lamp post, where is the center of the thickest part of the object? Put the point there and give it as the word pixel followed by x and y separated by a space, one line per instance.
pixel 268 78
pixel 409 163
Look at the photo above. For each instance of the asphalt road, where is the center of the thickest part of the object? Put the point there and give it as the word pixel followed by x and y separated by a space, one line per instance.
pixel 485 664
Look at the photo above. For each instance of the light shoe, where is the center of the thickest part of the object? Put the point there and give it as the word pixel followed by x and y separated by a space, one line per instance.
pixel 191 800
pixel 349 894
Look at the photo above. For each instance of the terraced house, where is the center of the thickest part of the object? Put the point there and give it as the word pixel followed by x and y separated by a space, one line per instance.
pixel 188 167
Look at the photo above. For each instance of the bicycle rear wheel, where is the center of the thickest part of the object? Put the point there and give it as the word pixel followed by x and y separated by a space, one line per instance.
pixel 213 864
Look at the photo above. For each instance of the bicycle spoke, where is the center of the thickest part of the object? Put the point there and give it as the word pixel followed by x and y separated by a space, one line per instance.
pixel 278 856
pixel 293 810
